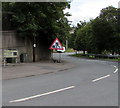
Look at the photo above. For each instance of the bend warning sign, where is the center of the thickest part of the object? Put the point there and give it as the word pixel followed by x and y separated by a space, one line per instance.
pixel 56 45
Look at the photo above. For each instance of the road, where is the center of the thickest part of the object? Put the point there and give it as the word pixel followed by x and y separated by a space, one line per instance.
pixel 89 83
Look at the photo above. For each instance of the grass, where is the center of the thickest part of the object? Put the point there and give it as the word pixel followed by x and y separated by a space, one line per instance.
pixel 93 57
pixel 69 50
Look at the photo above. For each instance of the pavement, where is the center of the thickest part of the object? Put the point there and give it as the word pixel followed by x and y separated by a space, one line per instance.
pixel 89 83
pixel 20 70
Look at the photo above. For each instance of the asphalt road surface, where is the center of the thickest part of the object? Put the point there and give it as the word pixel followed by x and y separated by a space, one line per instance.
pixel 89 83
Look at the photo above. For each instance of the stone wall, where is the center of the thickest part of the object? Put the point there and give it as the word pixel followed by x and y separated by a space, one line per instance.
pixel 24 45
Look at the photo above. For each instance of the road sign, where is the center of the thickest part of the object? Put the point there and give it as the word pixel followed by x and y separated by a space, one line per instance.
pixel 56 45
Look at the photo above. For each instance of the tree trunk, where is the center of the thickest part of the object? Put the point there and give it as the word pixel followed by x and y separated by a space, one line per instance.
pixel 112 52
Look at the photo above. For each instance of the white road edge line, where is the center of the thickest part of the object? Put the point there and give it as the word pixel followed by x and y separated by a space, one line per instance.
pixel 100 78
pixel 32 97
pixel 116 69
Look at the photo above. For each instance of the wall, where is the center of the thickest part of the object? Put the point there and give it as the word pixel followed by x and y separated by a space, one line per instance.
pixel 24 45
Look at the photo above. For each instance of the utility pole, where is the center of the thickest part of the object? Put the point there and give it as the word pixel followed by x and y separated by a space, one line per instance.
pixel 66 44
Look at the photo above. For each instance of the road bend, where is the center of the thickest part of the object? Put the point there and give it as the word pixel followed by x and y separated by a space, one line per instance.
pixel 88 83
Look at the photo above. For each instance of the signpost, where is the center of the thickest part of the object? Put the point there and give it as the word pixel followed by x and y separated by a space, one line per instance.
pixel 56 45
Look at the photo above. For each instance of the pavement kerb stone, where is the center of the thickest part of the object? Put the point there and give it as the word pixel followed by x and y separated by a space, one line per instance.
pixel 21 70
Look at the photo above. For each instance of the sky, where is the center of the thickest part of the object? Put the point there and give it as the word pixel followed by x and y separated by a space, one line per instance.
pixel 88 9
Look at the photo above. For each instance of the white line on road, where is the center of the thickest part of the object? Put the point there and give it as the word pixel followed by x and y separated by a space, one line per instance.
pixel 116 69
pixel 100 78
pixel 32 97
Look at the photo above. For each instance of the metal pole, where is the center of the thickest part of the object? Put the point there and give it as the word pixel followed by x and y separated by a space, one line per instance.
pixel 51 54
pixel 59 57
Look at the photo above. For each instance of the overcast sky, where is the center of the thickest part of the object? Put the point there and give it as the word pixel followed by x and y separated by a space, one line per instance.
pixel 88 9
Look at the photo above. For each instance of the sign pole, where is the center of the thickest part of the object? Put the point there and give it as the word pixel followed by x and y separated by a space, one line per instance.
pixel 52 54
pixel 60 57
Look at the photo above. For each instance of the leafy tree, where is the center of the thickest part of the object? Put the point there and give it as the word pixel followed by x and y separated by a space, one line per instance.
pixel 73 36
pixel 84 38
pixel 111 14
pixel 38 18
pixel 102 32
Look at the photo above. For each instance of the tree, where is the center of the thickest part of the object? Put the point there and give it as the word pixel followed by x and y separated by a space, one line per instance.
pixel 72 37
pixel 111 14
pixel 84 39
pixel 118 31
pixel 38 19
pixel 30 17
pixel 102 32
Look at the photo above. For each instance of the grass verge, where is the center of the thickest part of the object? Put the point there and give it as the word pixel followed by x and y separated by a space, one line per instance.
pixel 93 57
pixel 69 50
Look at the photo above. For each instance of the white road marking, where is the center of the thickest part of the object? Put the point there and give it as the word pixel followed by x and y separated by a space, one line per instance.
pixel 100 78
pixel 116 69
pixel 32 97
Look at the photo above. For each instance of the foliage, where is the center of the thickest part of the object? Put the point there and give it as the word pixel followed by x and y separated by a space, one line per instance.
pixel 72 37
pixel 84 38
pixel 112 15
pixel 94 57
pixel 39 18
pixel 69 50
pixel 101 34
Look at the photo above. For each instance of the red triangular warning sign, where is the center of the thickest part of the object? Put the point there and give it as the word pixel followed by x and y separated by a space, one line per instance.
pixel 56 45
